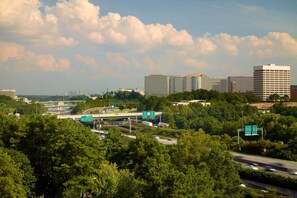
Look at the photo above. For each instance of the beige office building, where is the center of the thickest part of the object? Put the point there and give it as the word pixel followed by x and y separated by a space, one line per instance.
pixel 240 84
pixel 271 79
pixel 8 92
pixel 156 85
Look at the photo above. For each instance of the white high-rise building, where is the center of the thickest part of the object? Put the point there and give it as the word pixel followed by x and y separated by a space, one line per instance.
pixel 271 79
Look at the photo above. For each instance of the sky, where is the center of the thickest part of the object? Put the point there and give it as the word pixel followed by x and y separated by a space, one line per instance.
pixel 50 47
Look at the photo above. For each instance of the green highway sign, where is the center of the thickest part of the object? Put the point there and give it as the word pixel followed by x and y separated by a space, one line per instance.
pixel 248 130
pixel 86 118
pixel 254 130
pixel 152 115
pixel 144 115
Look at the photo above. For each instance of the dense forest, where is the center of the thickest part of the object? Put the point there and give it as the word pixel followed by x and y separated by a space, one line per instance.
pixel 42 156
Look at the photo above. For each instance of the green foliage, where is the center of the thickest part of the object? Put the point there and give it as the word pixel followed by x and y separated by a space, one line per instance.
pixel 281 109
pixel 11 177
pixel 200 150
pixel 23 163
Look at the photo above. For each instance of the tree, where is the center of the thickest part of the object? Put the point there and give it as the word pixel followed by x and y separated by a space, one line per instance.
pixel 11 177
pixel 150 161
pixel 61 151
pixel 198 149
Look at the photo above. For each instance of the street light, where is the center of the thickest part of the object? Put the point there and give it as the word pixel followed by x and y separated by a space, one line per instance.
pixel 129 125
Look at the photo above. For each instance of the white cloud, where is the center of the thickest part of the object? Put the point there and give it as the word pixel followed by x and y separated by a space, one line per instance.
pixel 15 57
pixel 117 58
pixel 197 64
pixel 87 60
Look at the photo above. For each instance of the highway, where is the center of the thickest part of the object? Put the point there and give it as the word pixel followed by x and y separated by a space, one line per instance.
pixel 107 115
pixel 281 166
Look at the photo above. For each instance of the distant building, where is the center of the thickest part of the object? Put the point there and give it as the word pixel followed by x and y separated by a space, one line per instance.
pixel 271 79
pixel 176 84
pixel 240 84
pixel 8 92
pixel 293 91
pixel 163 85
pixel 156 85
pixel 131 90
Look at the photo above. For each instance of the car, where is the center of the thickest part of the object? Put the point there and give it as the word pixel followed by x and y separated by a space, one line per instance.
pixel 293 172
pixel 157 137
pixel 243 185
pixel 252 167
pixel 270 169
pixel 278 164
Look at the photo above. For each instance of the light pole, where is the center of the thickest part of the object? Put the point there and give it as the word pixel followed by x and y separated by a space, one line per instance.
pixel 129 125
pixel 242 119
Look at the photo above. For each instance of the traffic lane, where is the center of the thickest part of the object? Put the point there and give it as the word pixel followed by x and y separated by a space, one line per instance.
pixel 291 165
pixel 262 167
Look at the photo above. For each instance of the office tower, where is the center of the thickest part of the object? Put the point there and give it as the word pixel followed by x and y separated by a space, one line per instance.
pixel 240 84
pixel 176 84
pixel 271 79
pixel 8 92
pixel 293 91
pixel 156 85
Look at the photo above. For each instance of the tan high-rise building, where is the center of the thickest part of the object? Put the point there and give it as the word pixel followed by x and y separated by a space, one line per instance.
pixel 271 79
pixel 240 84
pixel 8 92
pixel 156 85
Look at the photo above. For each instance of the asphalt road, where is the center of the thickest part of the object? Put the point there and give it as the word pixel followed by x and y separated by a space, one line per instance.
pixel 282 166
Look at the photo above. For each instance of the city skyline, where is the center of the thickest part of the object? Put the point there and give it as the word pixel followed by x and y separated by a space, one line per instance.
pixel 49 47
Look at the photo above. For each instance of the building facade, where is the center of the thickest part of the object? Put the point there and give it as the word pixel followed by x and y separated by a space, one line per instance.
pixel 293 91
pixel 156 85
pixel 163 85
pixel 271 79
pixel 8 92
pixel 240 84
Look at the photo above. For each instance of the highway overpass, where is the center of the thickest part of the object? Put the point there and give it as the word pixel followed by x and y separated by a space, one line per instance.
pixel 108 115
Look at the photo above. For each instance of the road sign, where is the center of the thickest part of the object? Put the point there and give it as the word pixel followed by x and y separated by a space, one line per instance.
pixel 144 115
pixel 152 115
pixel 254 130
pixel 248 130
pixel 86 118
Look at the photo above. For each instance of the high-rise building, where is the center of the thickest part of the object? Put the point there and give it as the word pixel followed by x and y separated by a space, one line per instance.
pixel 271 79
pixel 240 84
pixel 293 91
pixel 8 92
pixel 156 85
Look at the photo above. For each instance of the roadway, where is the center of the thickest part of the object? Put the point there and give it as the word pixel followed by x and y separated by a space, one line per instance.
pixel 282 166
pixel 108 115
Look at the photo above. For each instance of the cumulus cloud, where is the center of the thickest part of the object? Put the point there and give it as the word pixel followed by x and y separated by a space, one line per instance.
pixel 81 19
pixel 86 59
pixel 196 63
pixel 117 58
pixel 15 57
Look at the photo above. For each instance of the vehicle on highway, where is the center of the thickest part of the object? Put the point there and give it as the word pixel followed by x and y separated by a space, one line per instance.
pixel 293 172
pixel 270 169
pixel 146 123
pixel 278 164
pixel 252 167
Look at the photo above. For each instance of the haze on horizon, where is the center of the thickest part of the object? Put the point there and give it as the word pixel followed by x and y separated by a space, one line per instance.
pixel 50 47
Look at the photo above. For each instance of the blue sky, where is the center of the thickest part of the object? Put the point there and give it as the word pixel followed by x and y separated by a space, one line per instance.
pixel 52 47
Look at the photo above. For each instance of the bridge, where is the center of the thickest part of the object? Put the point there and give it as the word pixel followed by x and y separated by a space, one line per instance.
pixel 107 115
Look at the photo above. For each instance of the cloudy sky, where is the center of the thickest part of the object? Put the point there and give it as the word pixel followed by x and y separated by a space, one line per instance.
pixel 51 47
